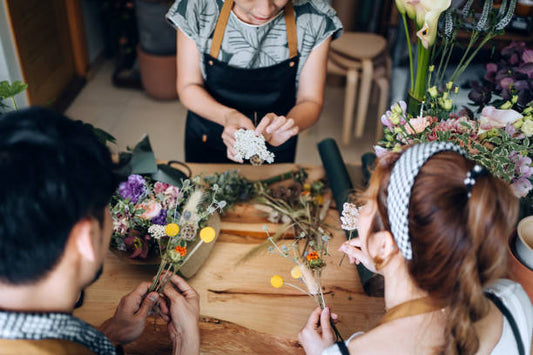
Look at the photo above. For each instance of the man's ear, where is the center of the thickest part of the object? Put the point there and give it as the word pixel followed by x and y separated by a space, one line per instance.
pixel 382 246
pixel 82 235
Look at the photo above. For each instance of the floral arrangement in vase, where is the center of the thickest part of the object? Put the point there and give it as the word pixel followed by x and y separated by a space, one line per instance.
pixel 498 136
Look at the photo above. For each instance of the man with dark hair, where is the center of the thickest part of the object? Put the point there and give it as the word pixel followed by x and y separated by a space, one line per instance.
pixel 55 227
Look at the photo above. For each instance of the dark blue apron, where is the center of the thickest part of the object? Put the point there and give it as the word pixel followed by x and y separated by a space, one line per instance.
pixel 253 92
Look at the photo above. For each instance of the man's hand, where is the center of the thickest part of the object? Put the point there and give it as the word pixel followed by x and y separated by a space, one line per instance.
pixel 312 339
pixel 184 315
pixel 276 129
pixel 130 316
pixel 233 121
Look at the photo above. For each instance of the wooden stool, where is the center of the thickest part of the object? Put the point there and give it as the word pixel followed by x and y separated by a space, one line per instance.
pixel 357 54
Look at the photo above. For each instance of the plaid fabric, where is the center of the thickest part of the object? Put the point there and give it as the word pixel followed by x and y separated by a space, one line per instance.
pixel 36 326
pixel 401 183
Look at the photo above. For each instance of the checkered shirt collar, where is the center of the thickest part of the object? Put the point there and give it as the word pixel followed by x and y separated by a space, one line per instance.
pixel 401 183
pixel 37 326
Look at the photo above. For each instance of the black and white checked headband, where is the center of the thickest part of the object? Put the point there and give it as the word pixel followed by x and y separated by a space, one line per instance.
pixel 401 183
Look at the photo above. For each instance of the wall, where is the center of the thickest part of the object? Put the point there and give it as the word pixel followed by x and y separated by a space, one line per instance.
pixel 9 65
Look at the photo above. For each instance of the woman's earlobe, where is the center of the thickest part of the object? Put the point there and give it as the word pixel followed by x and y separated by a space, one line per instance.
pixel 383 246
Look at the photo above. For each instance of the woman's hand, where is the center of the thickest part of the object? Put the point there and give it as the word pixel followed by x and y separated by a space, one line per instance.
pixel 313 339
pixel 184 315
pixel 276 129
pixel 352 248
pixel 233 121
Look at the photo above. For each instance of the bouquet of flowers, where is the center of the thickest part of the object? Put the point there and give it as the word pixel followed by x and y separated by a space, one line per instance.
pixel 155 216
pixel 302 209
pixel 499 137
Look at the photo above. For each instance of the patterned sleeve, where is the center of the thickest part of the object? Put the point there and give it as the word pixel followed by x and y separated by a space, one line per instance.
pixel 320 19
pixel 195 18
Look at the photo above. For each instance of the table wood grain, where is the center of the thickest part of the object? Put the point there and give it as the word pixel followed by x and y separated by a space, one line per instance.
pixel 241 312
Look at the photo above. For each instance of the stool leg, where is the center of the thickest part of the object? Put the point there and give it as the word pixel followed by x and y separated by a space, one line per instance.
pixel 383 85
pixel 364 94
pixel 350 96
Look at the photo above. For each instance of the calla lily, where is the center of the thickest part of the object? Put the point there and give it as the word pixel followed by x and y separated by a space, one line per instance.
pixel 427 18
pixel 400 5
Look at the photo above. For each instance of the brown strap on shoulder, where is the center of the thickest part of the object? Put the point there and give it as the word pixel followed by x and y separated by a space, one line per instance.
pixel 412 308
pixel 292 36
pixel 220 28
pixel 290 21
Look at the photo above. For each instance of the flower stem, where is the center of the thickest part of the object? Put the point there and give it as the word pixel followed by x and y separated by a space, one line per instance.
pixel 406 29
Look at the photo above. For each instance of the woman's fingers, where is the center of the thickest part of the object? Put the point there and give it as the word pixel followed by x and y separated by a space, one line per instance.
pixel 314 319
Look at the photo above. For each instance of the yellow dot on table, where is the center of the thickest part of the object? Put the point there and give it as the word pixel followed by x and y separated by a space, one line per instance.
pixel 296 272
pixel 276 281
pixel 172 229
pixel 207 234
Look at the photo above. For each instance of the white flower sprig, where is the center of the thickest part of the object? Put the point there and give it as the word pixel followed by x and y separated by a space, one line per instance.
pixel 252 147
pixel 350 216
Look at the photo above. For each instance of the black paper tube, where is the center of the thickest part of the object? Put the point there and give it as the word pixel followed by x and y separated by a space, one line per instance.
pixel 341 186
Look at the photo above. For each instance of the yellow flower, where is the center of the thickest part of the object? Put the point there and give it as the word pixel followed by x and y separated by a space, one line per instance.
pixel 276 281
pixel 172 229
pixel 527 128
pixel 433 91
pixel 207 234
pixel 296 272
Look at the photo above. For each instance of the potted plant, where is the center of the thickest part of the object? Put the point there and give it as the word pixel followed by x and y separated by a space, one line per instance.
pixel 156 50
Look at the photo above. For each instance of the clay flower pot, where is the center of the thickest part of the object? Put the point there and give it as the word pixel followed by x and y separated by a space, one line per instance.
pixel 158 74
pixel 517 271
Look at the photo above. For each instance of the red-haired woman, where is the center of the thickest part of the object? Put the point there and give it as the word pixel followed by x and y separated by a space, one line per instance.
pixel 435 225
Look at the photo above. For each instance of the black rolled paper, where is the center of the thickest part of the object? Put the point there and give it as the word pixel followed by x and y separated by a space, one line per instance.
pixel 341 186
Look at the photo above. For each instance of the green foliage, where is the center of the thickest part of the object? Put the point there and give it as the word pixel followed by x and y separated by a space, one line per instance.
pixel 9 91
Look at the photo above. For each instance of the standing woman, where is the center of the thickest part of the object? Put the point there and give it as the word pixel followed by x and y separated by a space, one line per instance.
pixel 251 64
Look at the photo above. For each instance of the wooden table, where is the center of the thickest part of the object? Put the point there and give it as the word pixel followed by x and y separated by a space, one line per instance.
pixel 241 312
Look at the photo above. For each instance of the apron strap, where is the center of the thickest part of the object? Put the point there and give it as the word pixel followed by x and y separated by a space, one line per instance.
pixel 290 21
pixel 292 37
pixel 220 28
pixel 412 308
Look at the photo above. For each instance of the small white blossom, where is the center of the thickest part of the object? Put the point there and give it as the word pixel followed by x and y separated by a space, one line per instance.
pixel 157 231
pixel 350 216
pixel 247 145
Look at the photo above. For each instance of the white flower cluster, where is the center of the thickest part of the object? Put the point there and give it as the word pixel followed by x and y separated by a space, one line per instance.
pixel 350 216
pixel 157 231
pixel 248 145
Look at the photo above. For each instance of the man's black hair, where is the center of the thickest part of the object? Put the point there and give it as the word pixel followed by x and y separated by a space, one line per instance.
pixel 53 173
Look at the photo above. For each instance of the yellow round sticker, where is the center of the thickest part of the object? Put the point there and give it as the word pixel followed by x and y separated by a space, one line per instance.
pixel 276 281
pixel 296 272
pixel 172 229
pixel 207 234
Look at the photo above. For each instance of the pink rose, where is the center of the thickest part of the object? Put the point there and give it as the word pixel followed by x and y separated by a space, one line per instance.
pixel 418 124
pixel 151 209
pixel 491 118
pixel 160 187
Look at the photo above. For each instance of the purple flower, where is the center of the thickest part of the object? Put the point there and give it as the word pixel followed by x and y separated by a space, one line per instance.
pixel 521 187
pixel 133 189
pixel 527 56
pixel 396 116
pixel 161 219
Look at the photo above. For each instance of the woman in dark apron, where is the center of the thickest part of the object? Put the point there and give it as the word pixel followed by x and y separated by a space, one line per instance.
pixel 259 98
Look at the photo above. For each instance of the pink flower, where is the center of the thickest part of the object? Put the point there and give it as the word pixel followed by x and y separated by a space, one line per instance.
pixel 151 209
pixel 418 124
pixel 527 56
pixel 171 196
pixel 521 187
pixel 120 224
pixel 491 117
pixel 379 150
pixel 160 187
